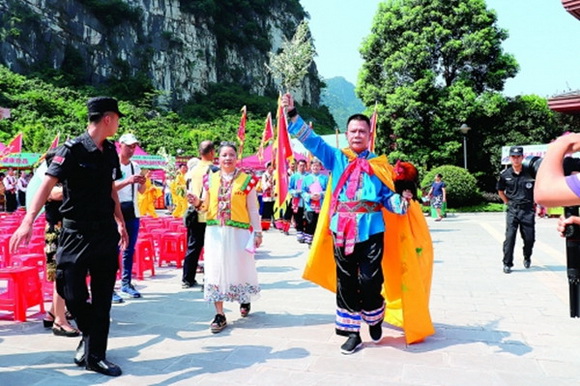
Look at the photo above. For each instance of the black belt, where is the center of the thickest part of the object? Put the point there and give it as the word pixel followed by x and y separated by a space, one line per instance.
pixel 521 206
pixel 87 225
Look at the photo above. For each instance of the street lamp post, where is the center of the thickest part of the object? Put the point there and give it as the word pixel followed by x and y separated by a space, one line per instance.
pixel 464 129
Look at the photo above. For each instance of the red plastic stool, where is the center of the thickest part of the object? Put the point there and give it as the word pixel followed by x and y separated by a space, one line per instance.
pixel 172 248
pixel 37 260
pixel 144 257
pixel 23 291
pixel 4 250
pixel 155 235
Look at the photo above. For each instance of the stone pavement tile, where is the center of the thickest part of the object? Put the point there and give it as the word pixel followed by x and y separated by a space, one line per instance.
pixel 524 379
pixel 502 361
pixel 436 375
pixel 386 353
pixel 353 364
pixel 446 345
pixel 560 369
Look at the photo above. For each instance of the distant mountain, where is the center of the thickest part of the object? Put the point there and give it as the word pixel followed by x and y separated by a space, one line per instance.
pixel 341 100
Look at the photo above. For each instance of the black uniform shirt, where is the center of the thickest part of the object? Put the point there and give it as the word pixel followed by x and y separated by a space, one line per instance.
pixel 87 175
pixel 519 188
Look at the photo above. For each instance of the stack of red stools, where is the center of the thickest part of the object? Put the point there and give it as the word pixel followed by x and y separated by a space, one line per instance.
pixel 144 257
pixel 172 248
pixel 23 291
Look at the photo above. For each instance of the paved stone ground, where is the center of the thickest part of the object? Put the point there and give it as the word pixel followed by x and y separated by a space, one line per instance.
pixel 492 328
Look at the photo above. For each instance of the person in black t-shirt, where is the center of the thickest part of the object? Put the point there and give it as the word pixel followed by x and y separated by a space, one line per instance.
pixel 93 226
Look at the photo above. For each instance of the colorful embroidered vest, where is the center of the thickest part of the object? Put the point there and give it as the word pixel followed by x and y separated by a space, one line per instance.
pixel 229 207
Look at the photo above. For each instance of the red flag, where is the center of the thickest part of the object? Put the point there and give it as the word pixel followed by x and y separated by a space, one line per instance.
pixel 242 127
pixel 283 153
pixel 266 136
pixel 15 146
pixel 373 130
pixel 54 143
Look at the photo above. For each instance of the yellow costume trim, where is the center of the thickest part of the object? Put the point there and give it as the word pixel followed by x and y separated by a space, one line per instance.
pixel 407 260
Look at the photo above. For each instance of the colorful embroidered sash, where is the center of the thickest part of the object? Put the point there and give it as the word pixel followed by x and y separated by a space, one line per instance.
pixel 347 229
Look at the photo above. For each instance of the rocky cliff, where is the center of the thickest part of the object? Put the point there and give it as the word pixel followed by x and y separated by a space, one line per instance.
pixel 180 46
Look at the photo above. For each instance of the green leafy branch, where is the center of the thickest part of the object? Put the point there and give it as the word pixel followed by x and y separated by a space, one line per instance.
pixel 291 64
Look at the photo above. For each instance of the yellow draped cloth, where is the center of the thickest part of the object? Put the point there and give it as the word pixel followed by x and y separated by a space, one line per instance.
pixel 178 190
pixel 407 260
pixel 146 201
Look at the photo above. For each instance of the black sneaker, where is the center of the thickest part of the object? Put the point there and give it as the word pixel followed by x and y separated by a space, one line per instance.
pixel 376 332
pixel 244 309
pixel 507 269
pixel 353 343
pixel 103 366
pixel 79 357
pixel 186 284
pixel 527 263
pixel 219 323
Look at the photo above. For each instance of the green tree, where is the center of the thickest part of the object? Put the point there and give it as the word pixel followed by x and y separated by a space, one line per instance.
pixel 427 63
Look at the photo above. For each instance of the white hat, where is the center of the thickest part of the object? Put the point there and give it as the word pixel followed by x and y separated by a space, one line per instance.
pixel 128 139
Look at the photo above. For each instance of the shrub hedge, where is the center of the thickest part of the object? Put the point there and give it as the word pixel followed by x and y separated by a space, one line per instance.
pixel 461 186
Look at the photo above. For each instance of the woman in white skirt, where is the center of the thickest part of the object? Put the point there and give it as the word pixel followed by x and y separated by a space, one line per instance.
pixel 232 234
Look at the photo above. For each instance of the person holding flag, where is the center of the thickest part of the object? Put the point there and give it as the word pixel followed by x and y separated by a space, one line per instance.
pixel 267 184
pixel 295 206
pixel 361 187
pixel 313 194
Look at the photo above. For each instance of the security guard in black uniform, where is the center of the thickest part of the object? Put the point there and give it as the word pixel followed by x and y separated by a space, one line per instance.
pixel 92 228
pixel 516 188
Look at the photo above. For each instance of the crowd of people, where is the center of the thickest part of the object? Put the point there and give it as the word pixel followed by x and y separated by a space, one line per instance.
pixel 13 187
pixel 346 207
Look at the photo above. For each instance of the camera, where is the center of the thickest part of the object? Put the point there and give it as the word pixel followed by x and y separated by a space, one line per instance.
pixel 531 164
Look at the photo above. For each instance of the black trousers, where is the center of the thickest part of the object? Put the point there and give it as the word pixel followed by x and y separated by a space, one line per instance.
pixel 94 252
pixel 268 210
pixel 195 241
pixel 298 216
pixel 11 202
pixel 359 284
pixel 311 218
pixel 21 198
pixel 525 219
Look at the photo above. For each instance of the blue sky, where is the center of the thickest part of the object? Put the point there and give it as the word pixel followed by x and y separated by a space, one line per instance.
pixel 543 38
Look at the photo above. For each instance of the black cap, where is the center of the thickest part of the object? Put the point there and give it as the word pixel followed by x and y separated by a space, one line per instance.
pixel 516 150
pixel 101 105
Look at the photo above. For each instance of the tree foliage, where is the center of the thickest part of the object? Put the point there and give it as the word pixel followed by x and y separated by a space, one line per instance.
pixel 426 63
pixel 40 111
pixel 434 64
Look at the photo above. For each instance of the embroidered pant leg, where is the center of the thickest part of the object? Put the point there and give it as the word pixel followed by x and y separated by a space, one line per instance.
pixel 359 283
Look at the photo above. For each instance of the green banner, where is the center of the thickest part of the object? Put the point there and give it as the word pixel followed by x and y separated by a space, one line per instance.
pixel 20 160
pixel 28 160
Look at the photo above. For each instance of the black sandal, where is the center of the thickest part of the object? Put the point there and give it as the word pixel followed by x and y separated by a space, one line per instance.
pixel 58 330
pixel 47 323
